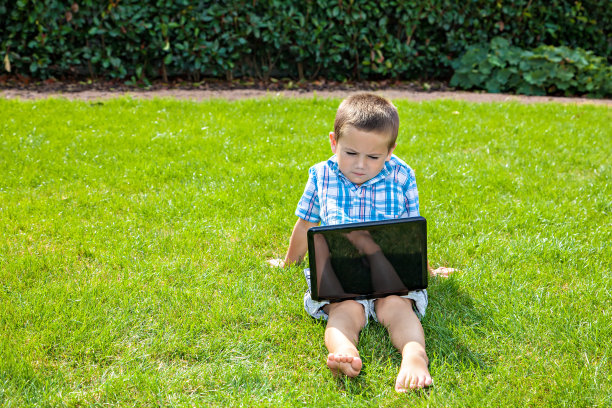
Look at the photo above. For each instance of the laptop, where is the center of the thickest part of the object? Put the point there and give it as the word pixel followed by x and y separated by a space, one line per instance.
pixel 367 260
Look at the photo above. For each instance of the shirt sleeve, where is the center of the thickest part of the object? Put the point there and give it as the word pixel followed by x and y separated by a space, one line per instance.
pixel 411 195
pixel 308 207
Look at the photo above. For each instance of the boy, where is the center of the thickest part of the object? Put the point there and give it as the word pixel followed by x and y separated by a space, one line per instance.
pixel 364 181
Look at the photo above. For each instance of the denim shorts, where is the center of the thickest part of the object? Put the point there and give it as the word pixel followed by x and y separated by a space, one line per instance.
pixel 315 308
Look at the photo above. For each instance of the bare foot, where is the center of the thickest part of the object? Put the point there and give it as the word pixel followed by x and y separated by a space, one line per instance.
pixel 347 364
pixel 413 374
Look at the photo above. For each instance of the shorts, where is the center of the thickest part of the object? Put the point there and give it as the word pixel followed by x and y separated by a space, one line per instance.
pixel 315 308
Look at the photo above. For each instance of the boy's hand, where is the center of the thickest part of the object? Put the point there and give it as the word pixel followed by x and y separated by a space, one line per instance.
pixel 276 263
pixel 442 271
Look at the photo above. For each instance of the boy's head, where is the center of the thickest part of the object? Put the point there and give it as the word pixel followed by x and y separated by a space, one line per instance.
pixel 370 113
pixel 364 136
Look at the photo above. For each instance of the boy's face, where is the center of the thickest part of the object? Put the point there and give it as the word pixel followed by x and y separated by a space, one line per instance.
pixel 361 154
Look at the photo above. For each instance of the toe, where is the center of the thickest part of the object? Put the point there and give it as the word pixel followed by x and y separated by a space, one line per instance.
pixel 400 383
pixel 345 363
pixel 345 359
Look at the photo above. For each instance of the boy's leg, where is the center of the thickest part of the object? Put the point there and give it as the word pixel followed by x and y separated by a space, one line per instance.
pixel 345 321
pixel 407 335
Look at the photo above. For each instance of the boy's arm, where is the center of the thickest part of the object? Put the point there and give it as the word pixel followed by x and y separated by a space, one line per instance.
pixel 298 244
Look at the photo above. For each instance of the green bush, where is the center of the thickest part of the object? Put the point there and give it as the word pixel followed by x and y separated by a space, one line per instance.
pixel 335 39
pixel 501 67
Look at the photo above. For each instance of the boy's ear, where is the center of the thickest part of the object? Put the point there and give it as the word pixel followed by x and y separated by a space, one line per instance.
pixel 332 141
pixel 391 152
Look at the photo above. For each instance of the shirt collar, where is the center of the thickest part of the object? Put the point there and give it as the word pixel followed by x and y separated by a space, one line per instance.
pixel 384 173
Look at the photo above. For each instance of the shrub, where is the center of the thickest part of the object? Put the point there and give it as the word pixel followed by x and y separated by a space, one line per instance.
pixel 336 39
pixel 501 67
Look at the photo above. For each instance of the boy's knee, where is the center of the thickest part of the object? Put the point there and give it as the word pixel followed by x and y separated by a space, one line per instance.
pixel 347 308
pixel 389 307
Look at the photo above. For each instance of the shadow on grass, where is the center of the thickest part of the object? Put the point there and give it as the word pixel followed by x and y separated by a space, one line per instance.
pixel 450 314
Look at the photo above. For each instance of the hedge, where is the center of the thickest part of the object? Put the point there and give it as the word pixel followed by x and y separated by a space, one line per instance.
pixel 335 39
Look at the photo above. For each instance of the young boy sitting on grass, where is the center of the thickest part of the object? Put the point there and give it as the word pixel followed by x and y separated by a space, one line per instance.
pixel 364 181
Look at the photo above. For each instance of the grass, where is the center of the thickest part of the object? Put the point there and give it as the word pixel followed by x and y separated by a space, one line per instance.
pixel 134 234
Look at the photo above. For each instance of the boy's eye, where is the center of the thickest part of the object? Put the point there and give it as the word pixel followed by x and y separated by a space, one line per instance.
pixel 373 157
pixel 351 153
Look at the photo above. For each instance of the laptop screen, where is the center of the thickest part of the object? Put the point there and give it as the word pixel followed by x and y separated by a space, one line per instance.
pixel 368 260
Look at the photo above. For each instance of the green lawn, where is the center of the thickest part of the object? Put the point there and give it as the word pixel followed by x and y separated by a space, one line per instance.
pixel 134 234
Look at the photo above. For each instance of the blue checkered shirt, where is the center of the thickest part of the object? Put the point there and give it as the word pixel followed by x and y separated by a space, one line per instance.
pixel 330 198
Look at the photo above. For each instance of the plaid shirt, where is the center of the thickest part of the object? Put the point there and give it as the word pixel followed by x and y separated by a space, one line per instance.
pixel 331 198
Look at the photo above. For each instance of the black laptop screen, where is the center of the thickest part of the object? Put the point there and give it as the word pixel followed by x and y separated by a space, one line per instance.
pixel 368 260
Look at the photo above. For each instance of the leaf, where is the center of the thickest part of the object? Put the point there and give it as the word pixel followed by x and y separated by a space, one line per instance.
pixel 493 86
pixel 564 75
pixel 7 62
pixel 502 76
pixel 500 43
pixel 485 67
pixel 456 80
pixel 496 61
pixel 537 77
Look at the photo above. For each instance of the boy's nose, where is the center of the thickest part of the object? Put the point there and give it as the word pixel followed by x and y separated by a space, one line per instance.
pixel 361 162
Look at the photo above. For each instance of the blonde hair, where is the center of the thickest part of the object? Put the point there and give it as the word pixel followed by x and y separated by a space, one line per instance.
pixel 368 112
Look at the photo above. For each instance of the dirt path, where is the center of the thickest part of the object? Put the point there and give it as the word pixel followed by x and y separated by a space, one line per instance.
pixel 254 93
